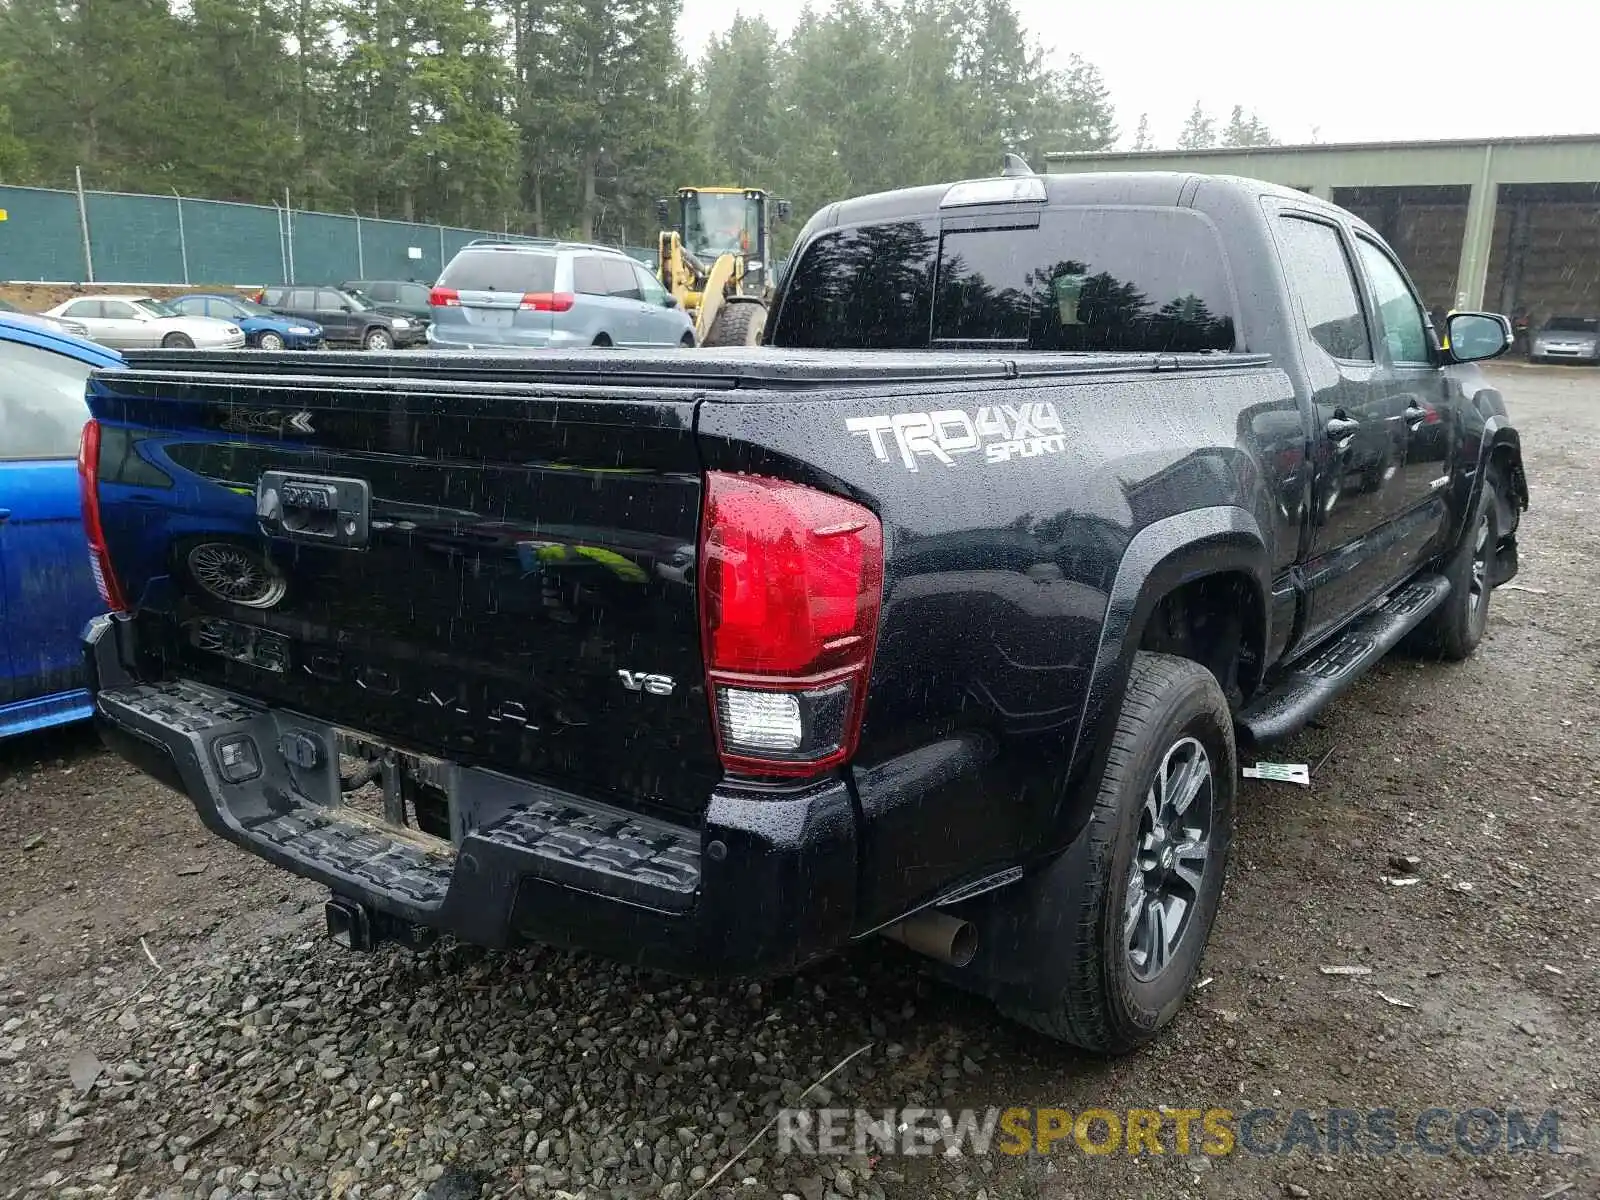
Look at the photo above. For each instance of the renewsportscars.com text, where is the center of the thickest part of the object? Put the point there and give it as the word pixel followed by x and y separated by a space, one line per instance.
pixel 1215 1132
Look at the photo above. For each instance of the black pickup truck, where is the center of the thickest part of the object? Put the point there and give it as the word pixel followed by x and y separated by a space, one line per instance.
pixel 940 616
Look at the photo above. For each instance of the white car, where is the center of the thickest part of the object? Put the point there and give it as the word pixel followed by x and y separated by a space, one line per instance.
pixel 139 322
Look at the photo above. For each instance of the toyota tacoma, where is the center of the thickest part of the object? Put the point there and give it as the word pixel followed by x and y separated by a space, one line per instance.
pixel 944 614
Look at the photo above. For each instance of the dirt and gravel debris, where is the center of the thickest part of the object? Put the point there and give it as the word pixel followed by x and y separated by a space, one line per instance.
pixel 172 1023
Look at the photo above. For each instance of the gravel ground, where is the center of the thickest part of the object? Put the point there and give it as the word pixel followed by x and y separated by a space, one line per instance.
pixel 172 1023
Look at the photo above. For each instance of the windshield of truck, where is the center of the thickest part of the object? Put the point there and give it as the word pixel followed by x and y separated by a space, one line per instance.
pixel 1151 280
pixel 500 271
pixel 719 223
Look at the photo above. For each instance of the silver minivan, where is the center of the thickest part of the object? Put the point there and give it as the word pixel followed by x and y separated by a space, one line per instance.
pixel 552 294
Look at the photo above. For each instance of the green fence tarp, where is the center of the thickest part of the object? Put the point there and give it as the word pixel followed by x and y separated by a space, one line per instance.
pixel 168 240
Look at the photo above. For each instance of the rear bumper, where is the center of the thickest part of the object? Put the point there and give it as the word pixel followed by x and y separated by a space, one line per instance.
pixel 761 887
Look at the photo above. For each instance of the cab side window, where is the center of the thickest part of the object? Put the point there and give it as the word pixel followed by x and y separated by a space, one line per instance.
pixel 1400 318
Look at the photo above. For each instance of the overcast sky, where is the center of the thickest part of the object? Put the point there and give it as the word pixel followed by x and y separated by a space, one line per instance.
pixel 1339 71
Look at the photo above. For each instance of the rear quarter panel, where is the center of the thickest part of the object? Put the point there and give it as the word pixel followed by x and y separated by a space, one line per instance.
pixel 1000 567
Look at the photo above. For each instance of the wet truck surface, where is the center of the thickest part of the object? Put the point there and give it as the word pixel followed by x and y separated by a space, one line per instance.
pixel 944 615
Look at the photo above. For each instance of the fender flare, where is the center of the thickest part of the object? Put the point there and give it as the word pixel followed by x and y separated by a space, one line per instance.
pixel 1164 555
pixel 1498 433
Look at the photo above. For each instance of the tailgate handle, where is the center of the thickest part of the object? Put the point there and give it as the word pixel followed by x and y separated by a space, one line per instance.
pixel 326 509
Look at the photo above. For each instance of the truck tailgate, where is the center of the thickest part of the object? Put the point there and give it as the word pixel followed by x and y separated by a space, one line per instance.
pixel 501 573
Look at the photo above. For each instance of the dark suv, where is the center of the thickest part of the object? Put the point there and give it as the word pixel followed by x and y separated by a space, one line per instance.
pixel 393 296
pixel 345 317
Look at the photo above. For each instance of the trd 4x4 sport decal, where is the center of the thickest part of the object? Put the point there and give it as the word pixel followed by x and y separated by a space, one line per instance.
pixel 1001 431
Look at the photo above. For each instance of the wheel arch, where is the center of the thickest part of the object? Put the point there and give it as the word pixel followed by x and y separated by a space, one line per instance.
pixel 1209 546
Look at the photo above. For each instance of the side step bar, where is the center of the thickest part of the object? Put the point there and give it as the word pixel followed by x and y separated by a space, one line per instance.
pixel 1312 684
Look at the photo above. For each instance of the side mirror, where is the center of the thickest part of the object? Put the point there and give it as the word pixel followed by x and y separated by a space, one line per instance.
pixel 782 209
pixel 663 211
pixel 346 308
pixel 669 301
pixel 1475 337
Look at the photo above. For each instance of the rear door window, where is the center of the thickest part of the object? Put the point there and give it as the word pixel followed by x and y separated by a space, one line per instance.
pixel 1324 287
pixel 589 276
pixel 387 292
pixel 619 277
pixel 1086 279
pixel 500 271
pixel 303 299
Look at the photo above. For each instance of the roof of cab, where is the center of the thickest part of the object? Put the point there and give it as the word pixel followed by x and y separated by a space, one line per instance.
pixel 1158 188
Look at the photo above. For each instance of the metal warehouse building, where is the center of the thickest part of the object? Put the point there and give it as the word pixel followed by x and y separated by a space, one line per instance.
pixel 1509 224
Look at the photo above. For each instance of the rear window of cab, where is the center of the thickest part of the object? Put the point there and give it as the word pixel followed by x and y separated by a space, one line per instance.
pixel 1088 279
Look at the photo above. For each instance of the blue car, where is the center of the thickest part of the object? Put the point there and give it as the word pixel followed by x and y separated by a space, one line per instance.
pixel 47 590
pixel 263 328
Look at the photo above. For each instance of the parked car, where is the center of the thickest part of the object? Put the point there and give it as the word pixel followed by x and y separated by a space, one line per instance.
pixel 402 297
pixel 345 318
pixel 47 594
pixel 56 324
pixel 134 322
pixel 943 615
pixel 263 328
pixel 556 295
pixel 1572 339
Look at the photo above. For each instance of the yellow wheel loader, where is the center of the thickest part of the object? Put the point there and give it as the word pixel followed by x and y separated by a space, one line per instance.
pixel 716 259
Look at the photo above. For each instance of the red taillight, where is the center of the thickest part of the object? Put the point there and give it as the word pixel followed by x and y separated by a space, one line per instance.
pixel 791 585
pixel 105 578
pixel 548 301
pixel 442 297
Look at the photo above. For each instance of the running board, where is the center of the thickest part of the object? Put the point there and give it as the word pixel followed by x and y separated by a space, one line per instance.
pixel 1311 684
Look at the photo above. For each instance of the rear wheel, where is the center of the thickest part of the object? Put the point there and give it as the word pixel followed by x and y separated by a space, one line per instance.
pixel 178 341
pixel 688 341
pixel 1114 929
pixel 600 339
pixel 739 323
pixel 270 341
pixel 377 339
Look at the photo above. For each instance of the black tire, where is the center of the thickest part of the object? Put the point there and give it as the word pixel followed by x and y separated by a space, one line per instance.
pixel 377 338
pixel 270 341
pixel 1453 630
pixel 178 341
pixel 601 340
pixel 739 323
pixel 688 341
pixel 1084 928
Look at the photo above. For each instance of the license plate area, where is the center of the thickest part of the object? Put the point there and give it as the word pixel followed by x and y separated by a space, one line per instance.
pixel 490 318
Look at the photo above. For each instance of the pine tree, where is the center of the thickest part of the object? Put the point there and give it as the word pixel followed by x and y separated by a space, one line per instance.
pixel 1141 138
pixel 1199 131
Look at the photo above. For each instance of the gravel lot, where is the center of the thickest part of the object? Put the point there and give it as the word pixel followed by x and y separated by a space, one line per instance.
pixel 173 1023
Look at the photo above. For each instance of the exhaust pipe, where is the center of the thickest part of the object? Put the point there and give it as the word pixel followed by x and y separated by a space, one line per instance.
pixel 938 935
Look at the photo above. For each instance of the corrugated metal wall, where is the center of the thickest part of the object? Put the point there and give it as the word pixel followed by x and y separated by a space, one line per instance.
pixel 165 239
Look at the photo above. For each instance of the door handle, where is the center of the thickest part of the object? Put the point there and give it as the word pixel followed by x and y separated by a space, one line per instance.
pixel 1415 414
pixel 1339 428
